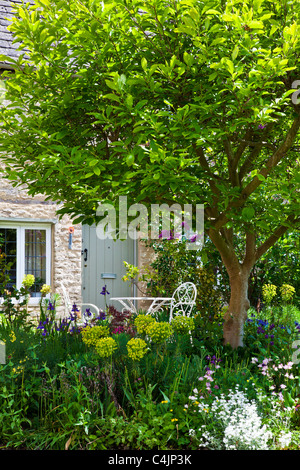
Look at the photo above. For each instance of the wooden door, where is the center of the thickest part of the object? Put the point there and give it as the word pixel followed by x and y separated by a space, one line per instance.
pixel 102 264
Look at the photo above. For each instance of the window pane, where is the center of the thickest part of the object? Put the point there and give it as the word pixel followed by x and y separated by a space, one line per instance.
pixel 35 258
pixel 8 245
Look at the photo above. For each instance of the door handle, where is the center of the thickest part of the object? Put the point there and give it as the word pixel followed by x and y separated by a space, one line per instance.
pixel 85 253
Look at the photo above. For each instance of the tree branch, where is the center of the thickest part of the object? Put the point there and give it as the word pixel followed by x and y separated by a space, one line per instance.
pixel 256 182
pixel 241 148
pixel 272 239
pixel 225 249
pixel 249 259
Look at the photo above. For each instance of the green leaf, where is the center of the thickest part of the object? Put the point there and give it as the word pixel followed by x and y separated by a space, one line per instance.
pixel 144 63
pixel 130 159
pixel 235 52
pixel 212 12
pixel 93 162
pixel 248 213
pixel 112 96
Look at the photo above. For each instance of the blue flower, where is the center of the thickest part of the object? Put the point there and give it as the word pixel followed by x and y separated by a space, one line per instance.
pixel 101 316
pixel 88 312
pixel 104 291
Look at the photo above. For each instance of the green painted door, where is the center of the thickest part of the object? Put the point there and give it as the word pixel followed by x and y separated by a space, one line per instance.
pixel 102 264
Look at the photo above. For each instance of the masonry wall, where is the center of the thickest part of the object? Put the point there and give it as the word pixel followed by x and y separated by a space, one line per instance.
pixel 145 255
pixel 17 205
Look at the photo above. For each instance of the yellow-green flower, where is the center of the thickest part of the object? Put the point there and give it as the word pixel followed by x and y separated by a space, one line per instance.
pixel 105 347
pixel 45 289
pixel 137 348
pixel 159 331
pixel 12 336
pixel 28 280
pixel 142 322
pixel 182 324
pixel 268 292
pixel 91 335
pixel 287 292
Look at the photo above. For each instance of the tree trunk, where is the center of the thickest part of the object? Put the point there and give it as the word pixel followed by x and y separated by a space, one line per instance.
pixel 236 314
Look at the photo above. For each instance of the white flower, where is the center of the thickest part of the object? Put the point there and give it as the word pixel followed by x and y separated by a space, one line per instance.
pixel 237 424
pixel 285 439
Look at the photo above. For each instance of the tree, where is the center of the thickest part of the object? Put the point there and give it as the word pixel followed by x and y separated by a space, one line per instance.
pixel 163 101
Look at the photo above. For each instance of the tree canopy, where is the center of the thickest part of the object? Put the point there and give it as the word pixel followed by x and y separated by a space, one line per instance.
pixel 183 101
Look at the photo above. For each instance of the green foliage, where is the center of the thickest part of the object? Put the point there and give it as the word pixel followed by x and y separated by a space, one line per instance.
pixel 105 347
pixel 91 335
pixel 175 264
pixel 204 111
pixel 268 292
pixel 182 325
pixel 280 265
pixel 4 276
pixel 159 332
pixel 57 394
pixel 137 348
pixel 145 111
pixel 142 322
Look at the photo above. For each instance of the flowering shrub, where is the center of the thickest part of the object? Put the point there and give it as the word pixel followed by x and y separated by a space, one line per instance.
pixel 45 289
pixel 137 348
pixel 91 335
pixel 142 322
pixel 287 292
pixel 119 322
pixel 208 296
pixel 28 280
pixel 105 347
pixel 232 422
pixel 182 324
pixel 159 331
pixel 279 376
pixel 207 379
pixel 269 292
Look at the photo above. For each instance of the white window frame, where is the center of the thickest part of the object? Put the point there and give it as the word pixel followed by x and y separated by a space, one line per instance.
pixel 20 227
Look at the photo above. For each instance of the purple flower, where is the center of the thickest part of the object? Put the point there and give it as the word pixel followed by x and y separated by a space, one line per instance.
pixel 261 126
pixel 104 291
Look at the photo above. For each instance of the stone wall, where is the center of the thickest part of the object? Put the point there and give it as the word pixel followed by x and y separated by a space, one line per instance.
pixel 145 256
pixel 17 206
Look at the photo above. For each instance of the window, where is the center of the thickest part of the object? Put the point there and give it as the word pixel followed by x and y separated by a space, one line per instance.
pixel 28 249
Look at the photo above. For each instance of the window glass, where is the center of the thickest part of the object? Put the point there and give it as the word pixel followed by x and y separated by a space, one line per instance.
pixel 28 251
pixel 8 244
pixel 35 258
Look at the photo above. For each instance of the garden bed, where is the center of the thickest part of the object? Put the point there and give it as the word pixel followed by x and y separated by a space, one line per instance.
pixel 145 384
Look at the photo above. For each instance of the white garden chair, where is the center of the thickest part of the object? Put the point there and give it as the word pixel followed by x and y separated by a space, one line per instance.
pixel 181 303
pixel 68 307
pixel 183 300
